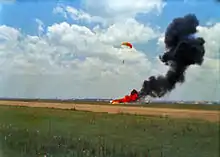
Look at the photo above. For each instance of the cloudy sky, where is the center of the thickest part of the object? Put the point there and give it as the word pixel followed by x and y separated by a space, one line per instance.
pixel 72 49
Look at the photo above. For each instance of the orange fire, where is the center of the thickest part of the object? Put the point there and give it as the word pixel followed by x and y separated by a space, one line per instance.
pixel 128 98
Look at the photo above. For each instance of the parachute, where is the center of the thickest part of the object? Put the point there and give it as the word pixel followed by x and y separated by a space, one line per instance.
pixel 127 44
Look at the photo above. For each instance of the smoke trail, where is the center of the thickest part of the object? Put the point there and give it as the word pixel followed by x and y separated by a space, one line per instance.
pixel 183 50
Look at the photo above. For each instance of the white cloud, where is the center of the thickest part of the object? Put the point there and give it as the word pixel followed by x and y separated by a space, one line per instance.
pixel 110 11
pixel 120 9
pixel 40 26
pixel 118 31
pixel 60 10
pixel 8 33
pixel 72 60
pixel 76 14
pixel 212 44
pixel 130 29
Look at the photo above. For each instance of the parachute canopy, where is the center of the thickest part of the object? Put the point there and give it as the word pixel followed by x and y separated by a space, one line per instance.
pixel 127 44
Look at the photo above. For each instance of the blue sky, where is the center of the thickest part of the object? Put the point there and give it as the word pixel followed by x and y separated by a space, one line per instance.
pixel 205 10
pixel 23 14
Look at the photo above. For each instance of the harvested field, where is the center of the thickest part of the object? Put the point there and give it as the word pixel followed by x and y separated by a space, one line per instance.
pixel 165 112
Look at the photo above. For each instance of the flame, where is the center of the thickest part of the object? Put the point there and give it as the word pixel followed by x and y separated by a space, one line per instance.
pixel 133 97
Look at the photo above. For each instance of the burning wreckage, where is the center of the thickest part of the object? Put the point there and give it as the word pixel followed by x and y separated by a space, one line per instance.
pixel 183 49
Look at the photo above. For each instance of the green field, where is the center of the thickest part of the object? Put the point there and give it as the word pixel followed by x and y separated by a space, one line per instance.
pixel 34 132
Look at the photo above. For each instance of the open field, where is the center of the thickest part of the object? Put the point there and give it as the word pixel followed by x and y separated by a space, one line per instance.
pixel 215 106
pixel 207 113
pixel 30 132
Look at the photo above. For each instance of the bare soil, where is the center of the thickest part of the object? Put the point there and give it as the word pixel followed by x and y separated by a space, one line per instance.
pixel 164 112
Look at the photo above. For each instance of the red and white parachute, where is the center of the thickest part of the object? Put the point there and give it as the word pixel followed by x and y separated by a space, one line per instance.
pixel 127 44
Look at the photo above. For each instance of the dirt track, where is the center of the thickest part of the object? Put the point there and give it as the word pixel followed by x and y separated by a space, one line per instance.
pixel 176 113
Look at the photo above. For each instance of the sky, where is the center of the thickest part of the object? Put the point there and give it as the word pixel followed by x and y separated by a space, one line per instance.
pixel 71 49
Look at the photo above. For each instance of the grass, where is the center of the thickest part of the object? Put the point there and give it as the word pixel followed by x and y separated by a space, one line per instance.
pixel 30 132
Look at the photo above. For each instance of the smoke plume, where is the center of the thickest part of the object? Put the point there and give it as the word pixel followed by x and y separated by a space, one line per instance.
pixel 183 49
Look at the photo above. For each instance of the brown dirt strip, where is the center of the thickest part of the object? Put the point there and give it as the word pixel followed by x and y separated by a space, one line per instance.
pixel 164 112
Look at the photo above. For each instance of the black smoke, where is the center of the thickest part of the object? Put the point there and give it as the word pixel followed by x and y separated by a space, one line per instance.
pixel 183 49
